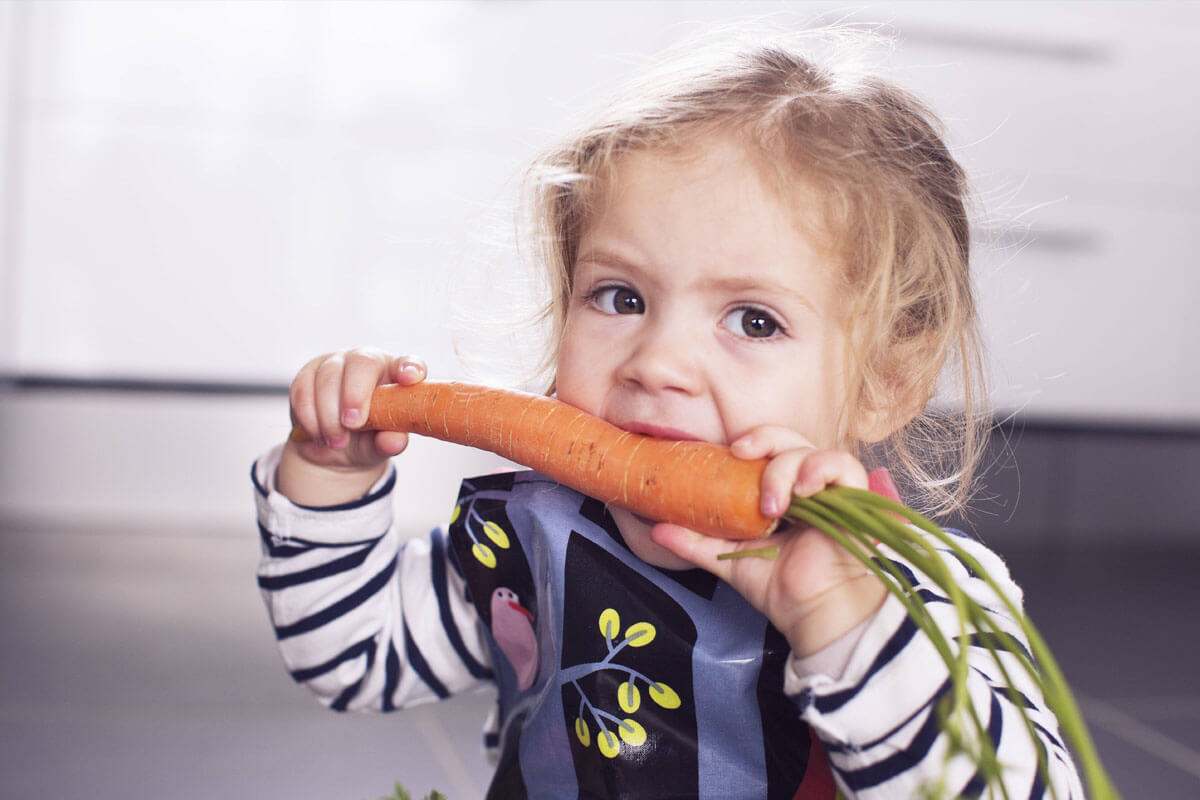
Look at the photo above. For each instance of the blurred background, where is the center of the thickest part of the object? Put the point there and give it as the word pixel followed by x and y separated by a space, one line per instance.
pixel 196 198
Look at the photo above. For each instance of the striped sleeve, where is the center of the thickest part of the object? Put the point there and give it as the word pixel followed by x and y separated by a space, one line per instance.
pixel 878 719
pixel 365 621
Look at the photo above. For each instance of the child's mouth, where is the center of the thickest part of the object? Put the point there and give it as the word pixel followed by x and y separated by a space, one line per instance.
pixel 658 431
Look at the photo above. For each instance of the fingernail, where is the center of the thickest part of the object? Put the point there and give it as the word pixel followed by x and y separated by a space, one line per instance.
pixel 770 506
pixel 351 416
pixel 337 442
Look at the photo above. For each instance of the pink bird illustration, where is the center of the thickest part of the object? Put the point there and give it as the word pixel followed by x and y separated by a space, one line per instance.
pixel 512 628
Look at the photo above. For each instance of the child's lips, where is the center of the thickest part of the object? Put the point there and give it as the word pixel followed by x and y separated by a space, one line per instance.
pixel 658 431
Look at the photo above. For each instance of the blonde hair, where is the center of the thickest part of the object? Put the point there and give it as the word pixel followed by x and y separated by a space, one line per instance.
pixel 892 204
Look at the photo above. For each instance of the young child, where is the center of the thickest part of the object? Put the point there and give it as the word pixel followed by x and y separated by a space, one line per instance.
pixel 749 248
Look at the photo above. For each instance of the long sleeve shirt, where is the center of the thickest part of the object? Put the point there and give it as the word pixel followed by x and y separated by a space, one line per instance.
pixel 615 678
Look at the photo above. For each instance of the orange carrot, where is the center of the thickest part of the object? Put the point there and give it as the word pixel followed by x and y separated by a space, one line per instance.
pixel 695 484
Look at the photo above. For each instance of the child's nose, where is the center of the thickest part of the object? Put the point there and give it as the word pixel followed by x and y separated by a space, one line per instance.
pixel 663 359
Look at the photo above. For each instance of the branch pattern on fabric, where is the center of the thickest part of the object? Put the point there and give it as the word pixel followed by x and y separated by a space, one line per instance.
pixel 629 697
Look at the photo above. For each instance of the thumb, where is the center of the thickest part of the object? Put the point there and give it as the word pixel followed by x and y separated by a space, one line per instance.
pixel 695 548
pixel 370 448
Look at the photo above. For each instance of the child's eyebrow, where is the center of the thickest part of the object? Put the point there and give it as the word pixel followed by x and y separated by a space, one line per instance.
pixel 605 258
pixel 739 284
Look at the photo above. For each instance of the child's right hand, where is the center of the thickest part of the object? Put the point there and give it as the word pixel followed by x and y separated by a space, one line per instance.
pixel 330 398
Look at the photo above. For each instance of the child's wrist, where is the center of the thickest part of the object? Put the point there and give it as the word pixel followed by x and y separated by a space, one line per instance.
pixel 309 484
pixel 839 611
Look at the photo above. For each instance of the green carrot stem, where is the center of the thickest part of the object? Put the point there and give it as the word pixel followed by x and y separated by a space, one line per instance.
pixel 1048 676
pixel 853 522
pixel 1048 679
pixel 1057 692
pixel 971 616
pixel 770 551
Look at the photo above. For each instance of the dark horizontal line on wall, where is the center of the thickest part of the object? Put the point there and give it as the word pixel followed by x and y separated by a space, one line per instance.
pixel 1075 52
pixel 1018 45
pixel 1051 239
pixel 1009 425
pixel 140 385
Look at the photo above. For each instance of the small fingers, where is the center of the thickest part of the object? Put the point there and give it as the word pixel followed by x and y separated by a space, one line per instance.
pixel 327 396
pixel 330 399
pixel 829 468
pixel 377 369
pixel 796 466
pixel 365 368
pixel 787 450
pixel 745 565
pixel 779 480
pixel 302 398
pixel 765 441
pixel 407 370
pixel 692 547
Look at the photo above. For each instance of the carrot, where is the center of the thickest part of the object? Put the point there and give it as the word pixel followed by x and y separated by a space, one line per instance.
pixel 695 484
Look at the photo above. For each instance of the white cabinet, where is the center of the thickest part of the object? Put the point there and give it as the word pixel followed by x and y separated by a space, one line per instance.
pixel 220 191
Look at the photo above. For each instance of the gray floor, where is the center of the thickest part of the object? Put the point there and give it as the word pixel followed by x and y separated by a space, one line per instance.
pixel 140 665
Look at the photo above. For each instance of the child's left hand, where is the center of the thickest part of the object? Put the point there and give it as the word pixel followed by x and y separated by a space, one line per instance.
pixel 814 591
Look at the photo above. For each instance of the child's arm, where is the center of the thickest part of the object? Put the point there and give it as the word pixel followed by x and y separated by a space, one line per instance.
pixel 363 619
pixel 876 715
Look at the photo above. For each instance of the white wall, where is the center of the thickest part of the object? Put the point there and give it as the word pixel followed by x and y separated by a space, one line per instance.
pixel 218 191
pixel 175 463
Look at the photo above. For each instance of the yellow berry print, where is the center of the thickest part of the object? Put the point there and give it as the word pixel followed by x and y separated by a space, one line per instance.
pixel 664 695
pixel 496 534
pixel 608 744
pixel 484 555
pixel 632 733
pixel 610 623
pixel 455 513
pixel 582 732
pixel 640 634
pixel 628 697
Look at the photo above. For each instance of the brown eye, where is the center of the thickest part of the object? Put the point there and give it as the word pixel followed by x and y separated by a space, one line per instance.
pixel 752 322
pixel 619 300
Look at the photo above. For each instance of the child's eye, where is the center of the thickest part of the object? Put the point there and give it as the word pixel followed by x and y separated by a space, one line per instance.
pixel 752 322
pixel 618 300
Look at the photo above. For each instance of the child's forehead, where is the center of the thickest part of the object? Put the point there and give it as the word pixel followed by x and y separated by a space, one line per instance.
pixel 802 198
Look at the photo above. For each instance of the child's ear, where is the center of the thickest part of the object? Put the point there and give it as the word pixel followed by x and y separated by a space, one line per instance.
pixel 900 394
pixel 877 422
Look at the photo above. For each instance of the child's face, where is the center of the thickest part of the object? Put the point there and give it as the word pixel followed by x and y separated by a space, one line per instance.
pixel 701 307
